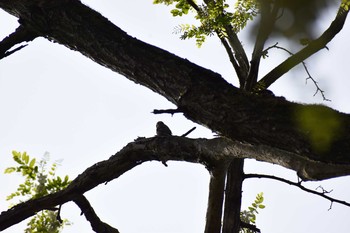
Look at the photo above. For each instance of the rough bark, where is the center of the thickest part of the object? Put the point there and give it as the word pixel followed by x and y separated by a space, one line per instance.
pixel 233 197
pixel 203 95
pixel 209 152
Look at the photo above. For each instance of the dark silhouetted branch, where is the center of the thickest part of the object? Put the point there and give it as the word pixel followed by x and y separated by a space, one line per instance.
pixel 312 47
pixel 233 197
pixel 318 89
pixel 20 35
pixel 96 224
pixel 216 197
pixel 188 132
pixel 170 111
pixel 298 184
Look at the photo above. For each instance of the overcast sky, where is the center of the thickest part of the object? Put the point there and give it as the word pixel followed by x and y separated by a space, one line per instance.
pixel 55 100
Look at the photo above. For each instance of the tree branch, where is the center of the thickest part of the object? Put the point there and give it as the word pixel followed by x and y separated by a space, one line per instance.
pixel 298 184
pixel 203 95
pixel 90 215
pixel 268 17
pixel 170 111
pixel 233 197
pixel 204 151
pixel 216 198
pixel 20 35
pixel 318 89
pixel 313 47
pixel 239 53
pixel 240 74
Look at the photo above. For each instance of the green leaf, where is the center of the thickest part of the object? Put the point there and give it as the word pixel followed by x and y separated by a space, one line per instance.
pixel 25 157
pixel 32 163
pixel 10 170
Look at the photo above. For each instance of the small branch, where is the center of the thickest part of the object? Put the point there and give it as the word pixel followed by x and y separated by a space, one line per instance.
pixel 188 132
pixel 193 4
pixel 318 89
pixel 239 71
pixel 298 184
pixel 313 47
pixel 20 35
pixel 170 111
pixel 239 53
pixel 59 219
pixel 268 18
pixel 96 224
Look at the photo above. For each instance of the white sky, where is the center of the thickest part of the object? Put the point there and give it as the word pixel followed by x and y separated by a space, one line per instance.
pixel 56 100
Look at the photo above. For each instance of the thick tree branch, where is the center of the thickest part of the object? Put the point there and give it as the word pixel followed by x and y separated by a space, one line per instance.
pixel 204 96
pixel 96 224
pixel 205 151
pixel 208 152
pixel 134 154
pixel 312 48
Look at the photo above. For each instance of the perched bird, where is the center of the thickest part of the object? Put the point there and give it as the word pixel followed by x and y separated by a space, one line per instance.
pixel 162 129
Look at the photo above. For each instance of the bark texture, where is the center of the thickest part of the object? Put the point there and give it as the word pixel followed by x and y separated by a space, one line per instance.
pixel 312 140
pixel 203 95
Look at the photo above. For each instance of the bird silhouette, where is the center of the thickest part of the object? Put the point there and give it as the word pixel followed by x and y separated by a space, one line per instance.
pixel 162 129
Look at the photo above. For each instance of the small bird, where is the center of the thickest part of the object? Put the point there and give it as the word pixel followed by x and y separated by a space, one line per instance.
pixel 162 129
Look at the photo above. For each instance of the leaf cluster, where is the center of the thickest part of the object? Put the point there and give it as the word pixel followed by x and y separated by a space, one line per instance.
pixel 345 4
pixel 249 216
pixel 39 180
pixel 214 17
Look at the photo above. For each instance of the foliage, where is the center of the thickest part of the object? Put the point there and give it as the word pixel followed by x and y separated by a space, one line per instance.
pixel 214 17
pixel 40 180
pixel 249 216
pixel 345 4
pixel 320 124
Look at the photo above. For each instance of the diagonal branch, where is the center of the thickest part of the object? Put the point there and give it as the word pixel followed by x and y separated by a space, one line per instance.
pixel 313 47
pixel 20 35
pixel 203 95
pixel 96 224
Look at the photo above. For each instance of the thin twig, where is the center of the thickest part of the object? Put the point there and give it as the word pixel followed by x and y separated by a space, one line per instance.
pixel 298 184
pixel 318 89
pixel 170 111
pixel 188 132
